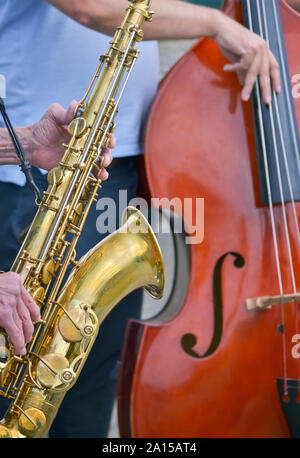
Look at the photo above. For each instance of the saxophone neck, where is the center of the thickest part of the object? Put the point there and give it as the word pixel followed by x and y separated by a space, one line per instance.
pixel 143 5
pixel 146 3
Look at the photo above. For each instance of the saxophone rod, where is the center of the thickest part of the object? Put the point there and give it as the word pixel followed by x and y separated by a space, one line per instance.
pixel 107 99
pixel 87 148
pixel 112 116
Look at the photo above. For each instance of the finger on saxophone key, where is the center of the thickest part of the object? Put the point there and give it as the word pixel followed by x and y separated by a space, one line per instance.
pixel 18 311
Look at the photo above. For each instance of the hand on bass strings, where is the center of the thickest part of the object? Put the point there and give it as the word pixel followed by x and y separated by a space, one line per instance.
pixel 250 57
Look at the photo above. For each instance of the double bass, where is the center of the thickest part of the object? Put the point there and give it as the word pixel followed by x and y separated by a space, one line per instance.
pixel 222 359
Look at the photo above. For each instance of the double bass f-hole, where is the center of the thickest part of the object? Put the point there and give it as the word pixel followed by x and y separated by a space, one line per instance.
pixel 189 341
pixel 279 172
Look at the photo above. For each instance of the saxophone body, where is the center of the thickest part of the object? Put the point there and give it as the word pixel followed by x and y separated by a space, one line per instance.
pixel 128 259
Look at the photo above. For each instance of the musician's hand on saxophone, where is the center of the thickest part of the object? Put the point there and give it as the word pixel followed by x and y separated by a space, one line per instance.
pixel 42 142
pixel 48 135
pixel 18 311
pixel 43 148
pixel 106 159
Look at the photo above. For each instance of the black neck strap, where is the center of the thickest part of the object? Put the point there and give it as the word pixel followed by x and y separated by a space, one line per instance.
pixel 24 165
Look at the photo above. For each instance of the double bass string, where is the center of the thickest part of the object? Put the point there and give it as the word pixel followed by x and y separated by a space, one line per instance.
pixel 266 167
pixel 279 175
pixel 291 119
pixel 283 67
pixel 287 170
pixel 279 171
pixel 271 209
pixel 286 87
pixel 288 175
pixel 296 145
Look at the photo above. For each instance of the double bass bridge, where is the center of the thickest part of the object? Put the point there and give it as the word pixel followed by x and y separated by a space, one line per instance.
pixel 267 302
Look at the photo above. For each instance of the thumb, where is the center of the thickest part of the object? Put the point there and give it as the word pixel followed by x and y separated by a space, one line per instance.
pixel 236 68
pixel 60 115
pixel 56 112
pixel 232 67
pixel 70 112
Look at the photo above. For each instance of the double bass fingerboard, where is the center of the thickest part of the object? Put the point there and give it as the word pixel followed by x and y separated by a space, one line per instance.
pixel 276 129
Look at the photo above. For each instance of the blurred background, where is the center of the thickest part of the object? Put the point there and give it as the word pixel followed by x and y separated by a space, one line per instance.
pixel 170 52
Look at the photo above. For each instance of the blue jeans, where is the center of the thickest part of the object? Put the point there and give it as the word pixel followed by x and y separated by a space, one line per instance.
pixel 87 407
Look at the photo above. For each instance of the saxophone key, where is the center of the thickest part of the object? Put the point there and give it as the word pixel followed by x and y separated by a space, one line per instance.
pixel 55 176
pixel 78 127
pixel 38 295
pixel 76 324
pixel 5 433
pixel 50 369
pixel 48 271
pixel 31 422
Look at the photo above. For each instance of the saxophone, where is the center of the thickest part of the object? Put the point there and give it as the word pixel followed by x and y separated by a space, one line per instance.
pixel 128 259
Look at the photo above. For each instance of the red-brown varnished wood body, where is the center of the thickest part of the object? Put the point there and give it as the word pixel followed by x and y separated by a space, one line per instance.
pixel 200 143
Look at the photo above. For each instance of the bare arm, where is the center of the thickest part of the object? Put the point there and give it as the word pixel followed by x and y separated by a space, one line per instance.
pixel 7 151
pixel 294 4
pixel 173 18
pixel 249 54
pixel 42 142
